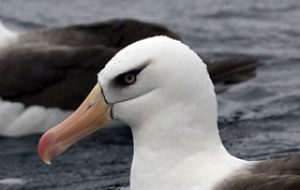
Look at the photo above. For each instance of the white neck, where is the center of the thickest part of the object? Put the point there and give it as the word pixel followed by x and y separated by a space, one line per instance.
pixel 6 36
pixel 180 154
pixel 172 111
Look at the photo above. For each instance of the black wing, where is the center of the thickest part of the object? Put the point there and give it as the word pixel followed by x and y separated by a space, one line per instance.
pixel 277 174
pixel 57 67
pixel 53 76
pixel 227 72
pixel 289 165
pixel 261 182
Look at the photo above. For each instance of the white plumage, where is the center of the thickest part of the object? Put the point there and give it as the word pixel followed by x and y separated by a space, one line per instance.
pixel 162 90
pixel 6 36
pixel 172 111
pixel 18 120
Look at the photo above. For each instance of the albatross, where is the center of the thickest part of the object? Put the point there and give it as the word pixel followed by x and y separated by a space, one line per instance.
pixel 41 70
pixel 161 89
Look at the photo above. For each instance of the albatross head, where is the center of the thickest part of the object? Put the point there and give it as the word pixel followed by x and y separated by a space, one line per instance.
pixel 162 90
pixel 153 78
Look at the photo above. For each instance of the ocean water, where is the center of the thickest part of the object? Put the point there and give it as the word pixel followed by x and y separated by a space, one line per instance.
pixel 258 119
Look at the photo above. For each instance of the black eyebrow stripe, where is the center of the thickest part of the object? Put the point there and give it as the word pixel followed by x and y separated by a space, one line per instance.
pixel 135 70
pixel 118 80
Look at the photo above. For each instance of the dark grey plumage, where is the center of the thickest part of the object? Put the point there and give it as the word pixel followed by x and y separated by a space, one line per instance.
pixel 57 67
pixel 277 174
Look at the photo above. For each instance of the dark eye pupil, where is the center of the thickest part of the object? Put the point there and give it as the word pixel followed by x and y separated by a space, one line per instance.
pixel 129 78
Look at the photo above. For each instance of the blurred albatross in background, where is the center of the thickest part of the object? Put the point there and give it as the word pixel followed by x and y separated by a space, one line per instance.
pixel 45 72
pixel 162 90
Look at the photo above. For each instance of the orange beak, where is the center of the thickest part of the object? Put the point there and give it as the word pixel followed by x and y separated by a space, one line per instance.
pixel 91 115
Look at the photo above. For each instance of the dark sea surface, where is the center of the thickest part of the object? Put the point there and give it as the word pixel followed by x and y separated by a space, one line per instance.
pixel 258 119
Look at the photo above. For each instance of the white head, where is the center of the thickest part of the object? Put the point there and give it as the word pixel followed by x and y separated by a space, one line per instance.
pixel 166 73
pixel 168 101
pixel 162 90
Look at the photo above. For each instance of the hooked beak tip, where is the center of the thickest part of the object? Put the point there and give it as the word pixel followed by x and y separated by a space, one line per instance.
pixel 43 146
pixel 91 115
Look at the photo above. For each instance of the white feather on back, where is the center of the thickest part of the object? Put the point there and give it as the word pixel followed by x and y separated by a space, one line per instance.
pixel 6 36
pixel 18 120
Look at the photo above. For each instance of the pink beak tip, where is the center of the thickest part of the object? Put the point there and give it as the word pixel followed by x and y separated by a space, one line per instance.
pixel 43 147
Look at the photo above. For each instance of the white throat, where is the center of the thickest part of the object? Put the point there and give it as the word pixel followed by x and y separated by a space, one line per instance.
pixel 179 147
pixel 172 111
pixel 178 158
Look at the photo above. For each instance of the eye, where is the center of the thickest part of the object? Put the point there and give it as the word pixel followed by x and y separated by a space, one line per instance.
pixel 126 79
pixel 129 78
